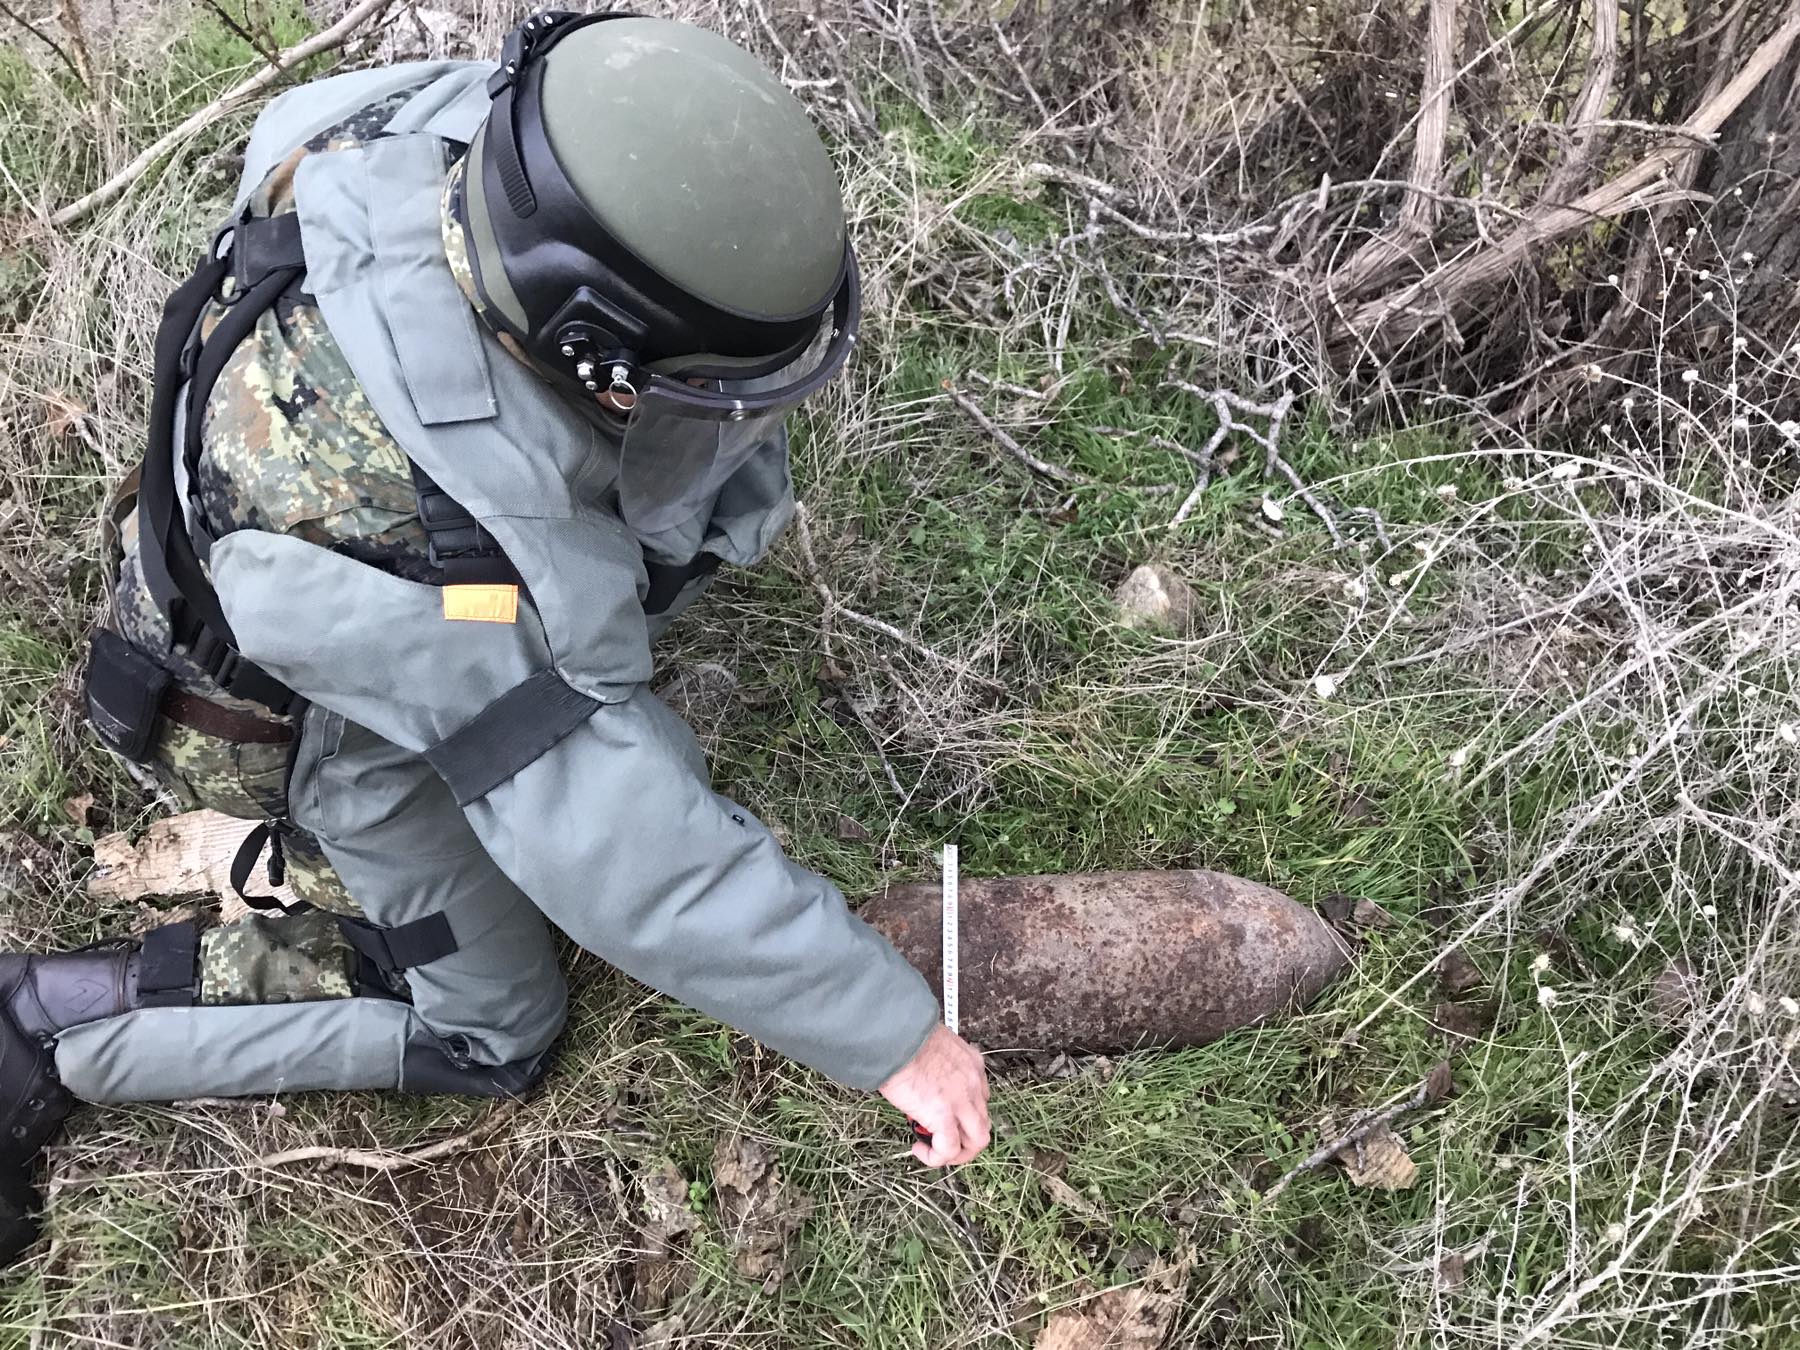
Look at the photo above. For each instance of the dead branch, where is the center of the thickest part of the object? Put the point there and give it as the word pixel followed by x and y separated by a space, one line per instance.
pixel 1419 212
pixel 1432 1087
pixel 56 47
pixel 385 1160
pixel 228 102
pixel 1584 116
pixel 1393 320
pixel 1006 442
pixel 835 609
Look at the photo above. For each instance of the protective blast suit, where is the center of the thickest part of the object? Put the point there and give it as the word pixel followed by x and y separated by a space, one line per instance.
pixel 459 762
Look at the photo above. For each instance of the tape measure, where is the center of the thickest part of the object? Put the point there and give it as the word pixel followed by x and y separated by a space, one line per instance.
pixel 951 964
pixel 952 970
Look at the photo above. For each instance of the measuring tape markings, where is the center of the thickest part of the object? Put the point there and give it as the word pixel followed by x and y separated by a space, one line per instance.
pixel 952 968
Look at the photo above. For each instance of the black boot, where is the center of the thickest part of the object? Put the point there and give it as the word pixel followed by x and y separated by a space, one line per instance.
pixel 41 996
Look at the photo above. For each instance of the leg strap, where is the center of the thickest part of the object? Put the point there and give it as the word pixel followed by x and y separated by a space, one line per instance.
pixel 402 947
pixel 169 966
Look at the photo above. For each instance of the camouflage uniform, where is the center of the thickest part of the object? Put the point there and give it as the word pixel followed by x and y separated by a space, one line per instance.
pixel 290 445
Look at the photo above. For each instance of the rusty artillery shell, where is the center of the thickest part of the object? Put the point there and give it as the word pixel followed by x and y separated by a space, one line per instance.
pixel 1115 960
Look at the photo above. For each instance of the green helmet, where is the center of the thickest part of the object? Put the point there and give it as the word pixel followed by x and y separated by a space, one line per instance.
pixel 651 214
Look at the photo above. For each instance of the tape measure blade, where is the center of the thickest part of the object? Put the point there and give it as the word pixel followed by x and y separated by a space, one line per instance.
pixel 951 942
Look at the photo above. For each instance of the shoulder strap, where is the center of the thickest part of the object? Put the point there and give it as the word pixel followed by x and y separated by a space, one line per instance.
pixel 172 567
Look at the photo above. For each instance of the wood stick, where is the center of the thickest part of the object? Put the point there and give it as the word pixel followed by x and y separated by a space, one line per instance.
pixel 1425 300
pixel 1010 445
pixel 1433 1086
pixel 386 1160
pixel 228 102
pixel 1584 117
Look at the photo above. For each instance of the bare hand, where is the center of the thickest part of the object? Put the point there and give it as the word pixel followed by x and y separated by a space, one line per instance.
pixel 944 1087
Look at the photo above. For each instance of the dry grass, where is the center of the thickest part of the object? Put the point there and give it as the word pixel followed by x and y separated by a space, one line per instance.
pixel 1540 705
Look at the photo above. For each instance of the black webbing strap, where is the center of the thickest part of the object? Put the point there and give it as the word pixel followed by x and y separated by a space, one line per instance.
pixel 169 966
pixel 510 733
pixel 266 834
pixel 459 545
pixel 667 579
pixel 172 567
pixel 391 949
pixel 403 946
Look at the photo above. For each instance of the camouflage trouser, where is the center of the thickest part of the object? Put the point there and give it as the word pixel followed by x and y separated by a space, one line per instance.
pixel 261 958
pixel 291 959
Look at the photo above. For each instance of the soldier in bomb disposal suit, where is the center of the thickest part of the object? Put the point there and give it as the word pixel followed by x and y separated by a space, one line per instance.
pixel 485 375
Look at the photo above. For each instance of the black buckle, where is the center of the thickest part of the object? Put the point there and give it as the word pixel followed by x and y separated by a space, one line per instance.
pixel 226 234
pixel 522 45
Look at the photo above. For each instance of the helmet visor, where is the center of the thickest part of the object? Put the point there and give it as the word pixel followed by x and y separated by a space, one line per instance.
pixel 684 441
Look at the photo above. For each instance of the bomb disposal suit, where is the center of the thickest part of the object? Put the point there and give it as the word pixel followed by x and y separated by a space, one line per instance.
pixel 452 421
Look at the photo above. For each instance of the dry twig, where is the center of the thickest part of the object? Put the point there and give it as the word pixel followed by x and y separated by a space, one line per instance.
pixel 228 102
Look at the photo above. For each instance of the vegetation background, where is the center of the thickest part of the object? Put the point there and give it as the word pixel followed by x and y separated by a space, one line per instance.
pixel 1443 357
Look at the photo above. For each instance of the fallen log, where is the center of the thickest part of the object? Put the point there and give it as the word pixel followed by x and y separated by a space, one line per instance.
pixel 1109 961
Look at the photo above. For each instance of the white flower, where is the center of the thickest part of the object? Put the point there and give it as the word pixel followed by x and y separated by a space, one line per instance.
pixel 1626 933
pixel 1689 376
pixel 1540 963
pixel 1612 278
pixel 1740 424
pixel 1788 732
pixel 1739 343
pixel 1446 490
pixel 1399 579
pixel 1272 508
pixel 1547 997
pixel 1459 757
pixel 1615 1232
pixel 1669 252
pixel 1756 1004
pixel 1706 274
pixel 1628 403
pixel 1749 258
pixel 1790 1006
pixel 1512 484
pixel 1709 911
pixel 1356 588
pixel 1566 470
pixel 1692 232
pixel 1790 429
pixel 1325 685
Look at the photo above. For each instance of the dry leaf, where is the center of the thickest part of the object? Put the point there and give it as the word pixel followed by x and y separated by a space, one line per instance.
pixel 1439 1083
pixel 77 808
pixel 1457 974
pixel 758 1212
pixel 189 854
pixel 64 416
pixel 1464 1021
pixel 1131 1317
pixel 1380 1161
pixel 667 1218
pixel 1675 993
pixel 1368 914
pixel 1061 1193
pixel 851 830
pixel 1450 1270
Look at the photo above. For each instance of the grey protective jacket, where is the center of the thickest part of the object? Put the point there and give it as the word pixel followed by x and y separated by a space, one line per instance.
pixel 612 830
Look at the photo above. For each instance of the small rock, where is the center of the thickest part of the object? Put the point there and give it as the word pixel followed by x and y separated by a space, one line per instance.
pixel 852 831
pixel 1154 597
pixel 1368 914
